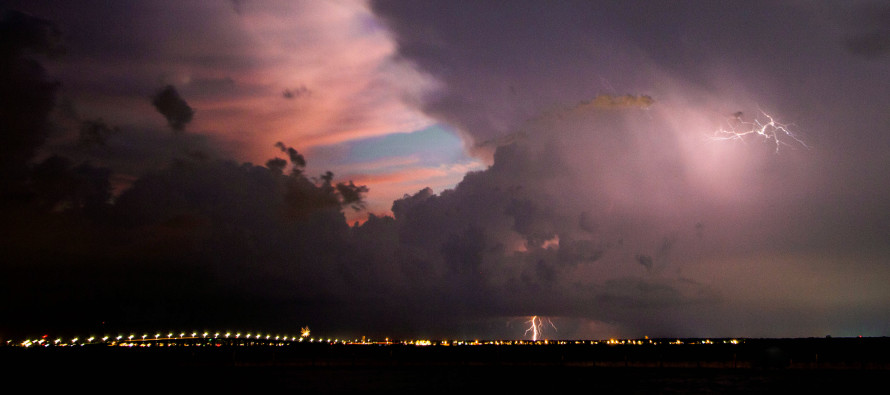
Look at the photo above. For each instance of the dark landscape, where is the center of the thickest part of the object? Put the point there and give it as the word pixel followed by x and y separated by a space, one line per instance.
pixel 752 365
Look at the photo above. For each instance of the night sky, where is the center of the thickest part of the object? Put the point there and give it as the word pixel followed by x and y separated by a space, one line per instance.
pixel 446 168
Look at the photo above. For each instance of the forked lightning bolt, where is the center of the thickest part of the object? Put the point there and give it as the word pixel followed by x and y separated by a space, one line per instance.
pixel 770 130
pixel 536 327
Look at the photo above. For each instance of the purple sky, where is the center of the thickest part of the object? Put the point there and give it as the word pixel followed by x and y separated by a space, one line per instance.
pixel 537 158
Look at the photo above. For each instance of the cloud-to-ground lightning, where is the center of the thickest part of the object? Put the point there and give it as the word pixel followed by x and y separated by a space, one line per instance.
pixel 768 129
pixel 536 326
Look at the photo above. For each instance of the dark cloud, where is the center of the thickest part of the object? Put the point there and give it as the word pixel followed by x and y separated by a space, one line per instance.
pixel 645 260
pixel 587 223
pixel 872 37
pixel 529 220
pixel 96 131
pixel 60 186
pixel 661 258
pixel 27 93
pixel 870 45
pixel 296 159
pixel 631 293
pixel 223 231
pixel 352 195
pixel 302 91
pixel 276 164
pixel 168 102
pixel 579 251
pixel 23 32
pixel 238 6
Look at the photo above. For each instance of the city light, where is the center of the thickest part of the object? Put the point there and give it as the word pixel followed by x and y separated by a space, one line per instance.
pixel 259 339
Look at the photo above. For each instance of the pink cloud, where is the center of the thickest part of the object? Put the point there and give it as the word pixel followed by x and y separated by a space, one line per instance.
pixel 235 67
pixel 340 57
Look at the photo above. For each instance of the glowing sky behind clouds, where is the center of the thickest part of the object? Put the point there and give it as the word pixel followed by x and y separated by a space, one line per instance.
pixel 401 163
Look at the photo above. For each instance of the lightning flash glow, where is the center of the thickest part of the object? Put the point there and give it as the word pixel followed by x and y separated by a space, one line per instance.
pixel 768 129
pixel 536 326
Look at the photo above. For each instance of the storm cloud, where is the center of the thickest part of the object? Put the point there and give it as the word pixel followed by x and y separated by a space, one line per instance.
pixel 604 202
pixel 27 93
pixel 168 102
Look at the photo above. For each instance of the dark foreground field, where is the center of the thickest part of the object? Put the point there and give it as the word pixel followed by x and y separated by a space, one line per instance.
pixel 762 366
